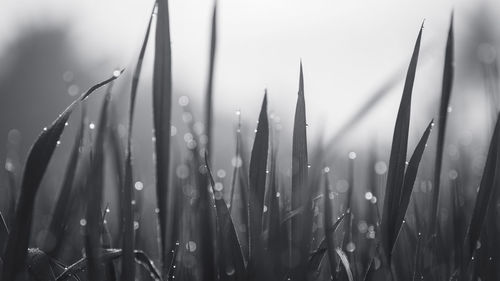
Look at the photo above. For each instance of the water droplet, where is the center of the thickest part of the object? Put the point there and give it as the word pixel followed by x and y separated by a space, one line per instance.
pixel 368 195
pixel 182 171
pixel 73 90
pixel 45 128
pixel 183 100
pixel 326 169
pixel 278 194
pixel 449 109
pixel 221 173
pixel 350 247
pixel 58 143
pixel 380 168
pixel 191 246
pixel 92 126
pixel 236 162
pixel 352 155
pixel 373 200
pixel 117 73
pixel 83 222
pixel 173 131
pixel 136 225
pixel 265 208
pixel 453 174
pixel 218 186
pixel 138 185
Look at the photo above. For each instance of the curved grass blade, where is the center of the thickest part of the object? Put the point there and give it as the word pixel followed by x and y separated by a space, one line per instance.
pixel 128 268
pixel 107 256
pixel 162 106
pixel 209 93
pixel 410 176
pixel 59 215
pixel 231 258
pixel 36 165
pixel 300 194
pixel 489 181
pixel 345 263
pixel 443 114
pixel 257 177
pixel 396 169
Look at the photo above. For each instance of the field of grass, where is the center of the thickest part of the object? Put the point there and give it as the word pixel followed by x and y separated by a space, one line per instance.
pixel 256 222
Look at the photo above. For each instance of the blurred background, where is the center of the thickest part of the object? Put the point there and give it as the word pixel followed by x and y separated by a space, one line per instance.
pixel 355 55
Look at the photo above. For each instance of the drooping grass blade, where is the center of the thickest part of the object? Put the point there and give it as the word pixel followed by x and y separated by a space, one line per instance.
pixel 36 165
pixel 60 213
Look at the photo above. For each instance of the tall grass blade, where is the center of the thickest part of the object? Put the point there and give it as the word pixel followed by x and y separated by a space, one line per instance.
pixel 299 184
pixel 162 106
pixel 396 169
pixel 36 165
pixel 209 90
pixel 443 115
pixel 257 177
pixel 128 268
pixel 489 181
pixel 94 221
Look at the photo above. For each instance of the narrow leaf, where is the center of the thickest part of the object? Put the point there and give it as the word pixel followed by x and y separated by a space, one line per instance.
pixel 36 165
pixel 396 169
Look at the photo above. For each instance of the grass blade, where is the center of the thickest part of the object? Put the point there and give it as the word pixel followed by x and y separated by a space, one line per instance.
pixel 396 169
pixel 443 114
pixel 36 165
pixel 59 215
pixel 299 181
pixel 162 106
pixel 257 177
pixel 209 91
pixel 93 227
pixel 489 181
pixel 232 265
pixel 4 233
pixel 410 176
pixel 128 268
pixel 345 263
pixel 109 255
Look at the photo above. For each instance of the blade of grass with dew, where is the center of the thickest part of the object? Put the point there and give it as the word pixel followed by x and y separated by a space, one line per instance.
pixel 443 114
pixel 299 181
pixel 409 180
pixel 257 177
pixel 396 169
pixel 93 216
pixel 209 90
pixel 59 215
pixel 128 268
pixel 36 165
pixel 489 181
pixel 232 265
pixel 162 106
